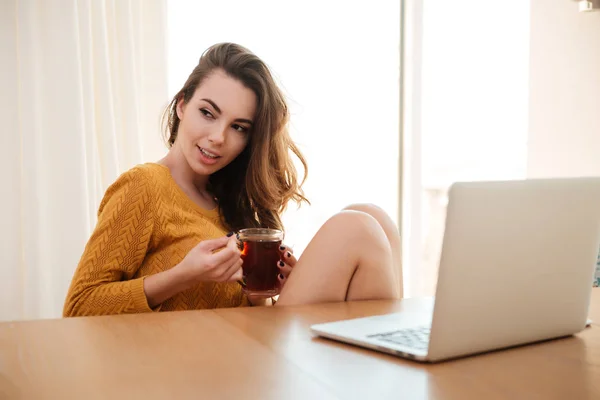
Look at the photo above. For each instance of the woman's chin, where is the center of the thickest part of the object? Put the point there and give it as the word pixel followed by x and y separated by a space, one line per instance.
pixel 202 169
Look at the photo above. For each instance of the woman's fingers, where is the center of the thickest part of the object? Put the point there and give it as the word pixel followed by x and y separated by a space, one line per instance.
pixel 237 276
pixel 214 244
pixel 281 278
pixel 283 249
pixel 225 254
pixel 284 268
pixel 287 255
pixel 233 272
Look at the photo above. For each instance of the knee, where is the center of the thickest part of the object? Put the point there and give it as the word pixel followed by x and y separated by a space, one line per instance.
pixel 368 208
pixel 357 224
pixel 352 216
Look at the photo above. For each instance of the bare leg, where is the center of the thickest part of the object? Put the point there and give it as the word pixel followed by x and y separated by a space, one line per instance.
pixel 393 236
pixel 348 259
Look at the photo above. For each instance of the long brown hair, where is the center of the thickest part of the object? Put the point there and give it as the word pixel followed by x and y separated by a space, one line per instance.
pixel 255 188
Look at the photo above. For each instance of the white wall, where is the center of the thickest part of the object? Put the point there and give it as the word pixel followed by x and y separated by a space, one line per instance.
pixel 564 104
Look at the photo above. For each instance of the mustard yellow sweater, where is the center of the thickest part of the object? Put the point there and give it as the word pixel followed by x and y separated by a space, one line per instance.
pixel 146 224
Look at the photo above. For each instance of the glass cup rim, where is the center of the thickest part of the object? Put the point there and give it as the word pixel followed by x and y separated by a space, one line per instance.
pixel 260 233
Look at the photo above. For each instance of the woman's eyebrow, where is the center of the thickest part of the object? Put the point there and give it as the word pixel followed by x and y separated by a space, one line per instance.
pixel 218 110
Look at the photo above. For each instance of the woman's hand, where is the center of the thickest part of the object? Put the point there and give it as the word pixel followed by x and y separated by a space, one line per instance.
pixel 285 264
pixel 217 260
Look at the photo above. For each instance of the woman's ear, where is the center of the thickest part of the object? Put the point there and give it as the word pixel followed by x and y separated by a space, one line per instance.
pixel 180 107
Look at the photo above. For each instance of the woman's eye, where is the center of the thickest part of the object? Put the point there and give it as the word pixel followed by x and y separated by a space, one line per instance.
pixel 206 113
pixel 240 128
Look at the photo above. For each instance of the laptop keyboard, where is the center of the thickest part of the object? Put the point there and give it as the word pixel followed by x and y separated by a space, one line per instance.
pixel 416 338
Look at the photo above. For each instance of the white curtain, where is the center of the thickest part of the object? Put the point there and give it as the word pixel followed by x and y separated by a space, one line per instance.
pixel 82 87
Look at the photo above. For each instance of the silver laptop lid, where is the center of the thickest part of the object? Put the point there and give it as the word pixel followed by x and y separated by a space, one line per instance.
pixel 517 263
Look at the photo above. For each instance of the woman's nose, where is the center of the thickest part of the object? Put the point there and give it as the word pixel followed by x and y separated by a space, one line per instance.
pixel 217 136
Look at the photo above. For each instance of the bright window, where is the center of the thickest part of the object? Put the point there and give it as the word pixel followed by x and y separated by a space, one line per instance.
pixel 338 62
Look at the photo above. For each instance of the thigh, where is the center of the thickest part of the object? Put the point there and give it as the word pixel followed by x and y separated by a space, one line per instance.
pixel 324 272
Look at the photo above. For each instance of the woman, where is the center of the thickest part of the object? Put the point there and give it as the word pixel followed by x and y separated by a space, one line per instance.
pixel 228 168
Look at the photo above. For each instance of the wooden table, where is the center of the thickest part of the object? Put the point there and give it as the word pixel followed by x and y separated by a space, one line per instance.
pixel 269 353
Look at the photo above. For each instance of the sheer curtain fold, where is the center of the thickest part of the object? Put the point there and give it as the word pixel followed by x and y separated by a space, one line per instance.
pixel 73 103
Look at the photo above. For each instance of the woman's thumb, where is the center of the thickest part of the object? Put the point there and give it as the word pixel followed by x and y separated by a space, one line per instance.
pixel 215 244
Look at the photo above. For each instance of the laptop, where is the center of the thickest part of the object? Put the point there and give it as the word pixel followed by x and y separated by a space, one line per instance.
pixel 516 267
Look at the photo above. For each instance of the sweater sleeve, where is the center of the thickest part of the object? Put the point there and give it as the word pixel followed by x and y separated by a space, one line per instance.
pixel 102 283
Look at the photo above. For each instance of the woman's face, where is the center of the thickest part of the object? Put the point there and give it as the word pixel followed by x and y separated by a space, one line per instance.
pixel 215 124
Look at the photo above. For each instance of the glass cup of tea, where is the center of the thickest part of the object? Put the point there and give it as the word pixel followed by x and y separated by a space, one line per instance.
pixel 260 255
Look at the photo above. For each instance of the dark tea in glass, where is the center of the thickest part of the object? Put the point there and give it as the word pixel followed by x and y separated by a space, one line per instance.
pixel 260 255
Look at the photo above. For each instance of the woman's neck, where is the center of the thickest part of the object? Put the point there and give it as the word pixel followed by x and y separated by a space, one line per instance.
pixel 183 174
